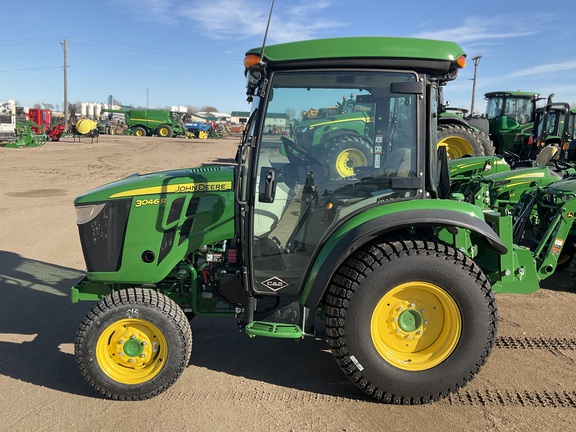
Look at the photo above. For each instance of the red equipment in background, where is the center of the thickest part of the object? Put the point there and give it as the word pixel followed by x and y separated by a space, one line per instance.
pixel 42 118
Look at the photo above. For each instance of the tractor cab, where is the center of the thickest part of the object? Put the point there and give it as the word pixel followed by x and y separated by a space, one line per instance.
pixel 509 114
pixel 303 186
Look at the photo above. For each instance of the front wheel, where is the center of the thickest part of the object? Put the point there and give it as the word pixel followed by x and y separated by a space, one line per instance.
pixel 133 344
pixel 410 321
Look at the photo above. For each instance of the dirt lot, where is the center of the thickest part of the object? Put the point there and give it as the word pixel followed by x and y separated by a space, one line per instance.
pixel 232 382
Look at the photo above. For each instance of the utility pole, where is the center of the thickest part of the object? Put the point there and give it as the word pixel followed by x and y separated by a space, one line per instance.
pixel 65 49
pixel 476 60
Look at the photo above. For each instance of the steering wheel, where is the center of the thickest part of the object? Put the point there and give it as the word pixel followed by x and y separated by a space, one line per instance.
pixel 297 154
pixel 510 155
pixel 562 165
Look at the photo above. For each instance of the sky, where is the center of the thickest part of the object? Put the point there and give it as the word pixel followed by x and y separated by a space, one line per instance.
pixel 160 53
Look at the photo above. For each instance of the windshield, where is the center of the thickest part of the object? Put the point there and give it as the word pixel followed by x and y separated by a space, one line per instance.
pixel 519 109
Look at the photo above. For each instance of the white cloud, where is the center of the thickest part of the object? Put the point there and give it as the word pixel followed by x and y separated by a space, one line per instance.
pixel 481 29
pixel 544 69
pixel 161 11
pixel 241 19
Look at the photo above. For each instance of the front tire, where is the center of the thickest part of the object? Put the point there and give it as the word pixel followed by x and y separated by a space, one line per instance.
pixel 133 344
pixel 410 321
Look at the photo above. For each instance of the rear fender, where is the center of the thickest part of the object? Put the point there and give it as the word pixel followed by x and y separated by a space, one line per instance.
pixel 358 231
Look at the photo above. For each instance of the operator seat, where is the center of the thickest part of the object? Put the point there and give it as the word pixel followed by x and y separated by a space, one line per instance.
pixel 546 155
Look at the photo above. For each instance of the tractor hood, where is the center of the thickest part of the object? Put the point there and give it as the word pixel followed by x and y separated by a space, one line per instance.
pixel 567 186
pixel 519 174
pixel 469 166
pixel 189 180
pixel 136 230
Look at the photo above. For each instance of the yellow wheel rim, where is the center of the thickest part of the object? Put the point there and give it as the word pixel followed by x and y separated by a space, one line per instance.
pixel 416 326
pixel 349 159
pixel 457 147
pixel 163 132
pixel 138 133
pixel 131 351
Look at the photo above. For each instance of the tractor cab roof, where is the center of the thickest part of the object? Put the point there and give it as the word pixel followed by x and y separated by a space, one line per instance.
pixel 515 94
pixel 422 55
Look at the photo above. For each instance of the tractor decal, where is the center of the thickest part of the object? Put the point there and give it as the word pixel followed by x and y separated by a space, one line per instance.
pixel 177 188
pixel 275 283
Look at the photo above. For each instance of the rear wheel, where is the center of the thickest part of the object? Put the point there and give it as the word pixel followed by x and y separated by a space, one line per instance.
pixel 133 344
pixel 165 131
pixel 410 321
pixel 464 141
pixel 346 153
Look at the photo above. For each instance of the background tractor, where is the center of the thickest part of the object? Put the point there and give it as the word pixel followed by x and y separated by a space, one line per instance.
pixel 509 115
pixel 463 136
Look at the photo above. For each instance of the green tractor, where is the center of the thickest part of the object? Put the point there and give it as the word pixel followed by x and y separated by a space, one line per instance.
pixel 344 133
pixel 510 114
pixel 402 280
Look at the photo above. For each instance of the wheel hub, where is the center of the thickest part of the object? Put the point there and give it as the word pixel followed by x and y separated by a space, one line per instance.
pixel 415 326
pixel 131 347
pixel 410 320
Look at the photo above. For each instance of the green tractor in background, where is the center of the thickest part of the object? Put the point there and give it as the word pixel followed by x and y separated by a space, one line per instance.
pixel 344 133
pixel 509 115
pixel 402 279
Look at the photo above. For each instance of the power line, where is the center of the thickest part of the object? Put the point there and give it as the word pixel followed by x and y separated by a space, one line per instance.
pixel 29 69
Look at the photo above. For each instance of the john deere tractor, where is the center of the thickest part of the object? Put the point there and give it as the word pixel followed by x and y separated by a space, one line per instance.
pixel 399 279
pixel 510 114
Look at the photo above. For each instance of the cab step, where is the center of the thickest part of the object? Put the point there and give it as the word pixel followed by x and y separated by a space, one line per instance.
pixel 275 330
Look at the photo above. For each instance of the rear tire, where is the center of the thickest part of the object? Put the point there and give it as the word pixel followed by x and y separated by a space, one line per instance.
pixel 464 141
pixel 410 321
pixel 346 153
pixel 133 344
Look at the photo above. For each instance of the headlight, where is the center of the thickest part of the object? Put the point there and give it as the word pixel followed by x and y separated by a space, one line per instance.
pixel 86 213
